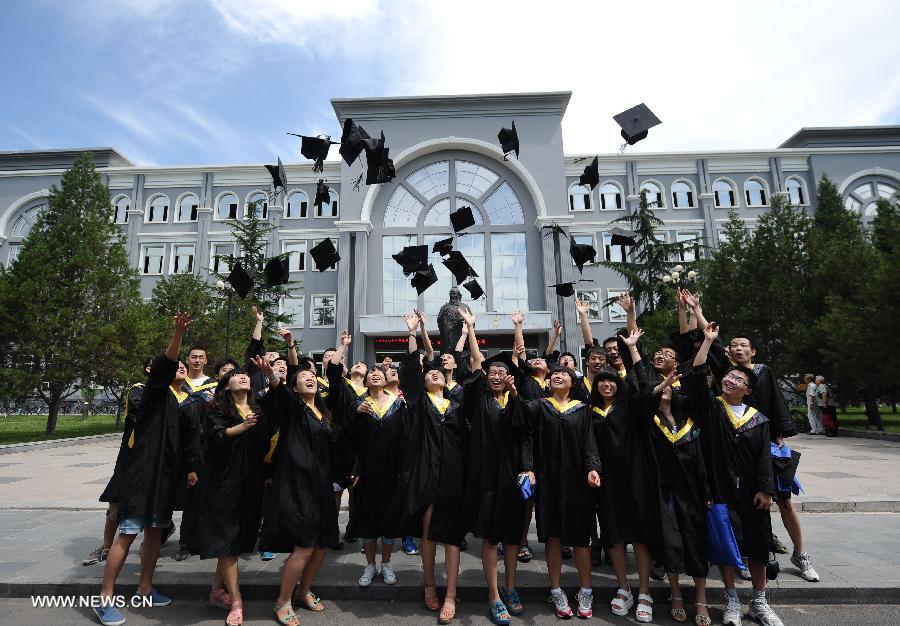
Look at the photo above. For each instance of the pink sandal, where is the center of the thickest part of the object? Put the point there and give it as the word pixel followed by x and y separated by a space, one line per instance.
pixel 236 615
pixel 220 598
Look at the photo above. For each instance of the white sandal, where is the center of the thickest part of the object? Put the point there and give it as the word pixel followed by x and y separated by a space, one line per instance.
pixel 645 606
pixel 619 605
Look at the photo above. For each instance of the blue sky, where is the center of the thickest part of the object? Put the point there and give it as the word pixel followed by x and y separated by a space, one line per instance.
pixel 222 81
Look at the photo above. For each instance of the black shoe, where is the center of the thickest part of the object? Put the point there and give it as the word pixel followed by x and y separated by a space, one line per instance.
pixel 657 572
pixel 567 552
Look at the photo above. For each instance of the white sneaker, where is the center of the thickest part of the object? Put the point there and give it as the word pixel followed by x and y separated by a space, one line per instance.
pixel 761 612
pixel 367 576
pixel 732 614
pixel 387 574
pixel 802 562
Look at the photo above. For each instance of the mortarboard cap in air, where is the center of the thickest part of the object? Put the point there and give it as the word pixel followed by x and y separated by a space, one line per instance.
pixel 279 178
pixel 314 148
pixel 622 237
pixel 443 247
pixel 324 255
pixel 412 259
pixel 240 280
pixel 353 138
pixel 462 218
pixel 501 358
pixel 474 289
pixel 635 123
pixel 322 195
pixel 582 253
pixel 423 279
pixel 509 140
pixel 278 272
pixel 591 175
pixel 564 289
pixel 459 266
pixel 379 168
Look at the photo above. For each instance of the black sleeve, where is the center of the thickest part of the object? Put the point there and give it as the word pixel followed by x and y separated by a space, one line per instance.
pixel 695 385
pixel 255 348
pixel 162 372
pixel 765 480
pixel 276 405
pixel 717 360
pixel 189 420
pixel 591 455
pixel 412 382
pixel 552 358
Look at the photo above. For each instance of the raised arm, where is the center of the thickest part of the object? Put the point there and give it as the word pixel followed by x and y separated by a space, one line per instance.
pixel 412 323
pixel 682 312
pixel 582 307
pixel 710 334
pixel 627 302
pixel 257 330
pixel 631 341
pixel 180 325
pixel 341 352
pixel 475 352
pixel 692 301
pixel 426 340
pixel 518 318
pixel 463 337
pixel 291 344
pixel 554 337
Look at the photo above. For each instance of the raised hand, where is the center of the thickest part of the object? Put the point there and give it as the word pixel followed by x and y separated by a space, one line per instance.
pixel 517 317
pixel 519 351
pixel 420 316
pixel 633 337
pixel 626 302
pixel 509 382
pixel 345 338
pixel 711 332
pixel 263 366
pixel 366 408
pixel 259 316
pixel 691 300
pixel 182 322
pixel 582 307
pixel 594 479
pixel 412 321
pixel 286 334
pixel 557 328
pixel 468 318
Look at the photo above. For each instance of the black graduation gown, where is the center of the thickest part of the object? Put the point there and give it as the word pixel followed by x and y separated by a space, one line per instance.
pixel 301 509
pixel 379 446
pixel 228 496
pixel 343 399
pixel 499 450
pixel 684 490
pixel 628 499
pixel 434 465
pixel 567 452
pixel 132 406
pixel 738 464
pixel 166 447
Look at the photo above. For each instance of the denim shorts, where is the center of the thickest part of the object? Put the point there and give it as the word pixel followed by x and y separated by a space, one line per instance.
pixel 134 525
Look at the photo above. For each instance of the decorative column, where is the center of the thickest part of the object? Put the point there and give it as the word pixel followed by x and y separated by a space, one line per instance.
pixel 135 219
pixel 558 268
pixel 352 292
pixel 707 199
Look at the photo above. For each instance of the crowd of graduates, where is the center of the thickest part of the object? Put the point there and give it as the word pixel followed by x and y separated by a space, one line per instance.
pixel 679 453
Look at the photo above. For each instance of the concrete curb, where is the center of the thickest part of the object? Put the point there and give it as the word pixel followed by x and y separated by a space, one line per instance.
pixel 869 434
pixel 12 448
pixel 802 593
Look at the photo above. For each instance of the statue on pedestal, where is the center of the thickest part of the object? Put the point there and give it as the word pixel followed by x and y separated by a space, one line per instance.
pixel 450 321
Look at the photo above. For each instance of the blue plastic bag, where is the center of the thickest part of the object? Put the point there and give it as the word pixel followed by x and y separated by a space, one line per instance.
pixel 525 486
pixel 723 547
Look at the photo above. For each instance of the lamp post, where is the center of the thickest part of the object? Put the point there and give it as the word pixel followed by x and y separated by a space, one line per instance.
pixel 220 285
pixel 678 278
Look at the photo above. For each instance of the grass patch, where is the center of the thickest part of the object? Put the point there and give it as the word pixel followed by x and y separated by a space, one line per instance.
pixel 25 428
pixel 855 417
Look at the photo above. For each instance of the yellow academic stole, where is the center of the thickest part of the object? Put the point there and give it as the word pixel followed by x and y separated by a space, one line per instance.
pixel 503 400
pixel 673 437
pixel 562 409
pixel 315 411
pixel 603 412
pixel 543 385
pixel 379 411
pixel 131 436
pixel 440 404
pixel 735 421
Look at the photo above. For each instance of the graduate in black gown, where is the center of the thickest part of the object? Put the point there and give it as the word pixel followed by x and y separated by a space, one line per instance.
pixel 110 494
pixel 428 499
pixel 736 448
pixel 568 466
pixel 380 434
pixel 301 518
pixel 684 489
pixel 229 493
pixel 165 454
pixel 628 501
pixel 499 454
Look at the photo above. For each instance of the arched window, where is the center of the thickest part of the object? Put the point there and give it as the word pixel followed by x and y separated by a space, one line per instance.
pixel 682 195
pixel 755 193
pixel 610 197
pixel 26 221
pixel 863 197
pixel 259 202
pixel 120 209
pixel 157 209
pixel 227 207
pixel 330 208
pixel 297 205
pixel 418 213
pixel 579 198
pixel 796 192
pixel 725 194
pixel 188 205
pixel 654 194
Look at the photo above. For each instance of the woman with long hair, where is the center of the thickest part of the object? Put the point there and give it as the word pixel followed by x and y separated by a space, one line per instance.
pixel 229 498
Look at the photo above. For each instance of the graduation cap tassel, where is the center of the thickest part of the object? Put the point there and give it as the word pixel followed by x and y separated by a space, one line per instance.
pixel 357 182
pixel 318 166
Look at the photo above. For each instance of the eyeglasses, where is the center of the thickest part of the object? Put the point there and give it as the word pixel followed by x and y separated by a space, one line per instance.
pixel 737 379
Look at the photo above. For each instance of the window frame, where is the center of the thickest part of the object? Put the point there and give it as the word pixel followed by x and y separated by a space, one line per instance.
pixel 115 202
pixel 610 293
pixel 304 210
pixel 237 205
pixel 247 200
pixel 312 309
pixel 149 206
pixel 607 247
pixel 302 242
pixel 804 197
pixel 735 204
pixel 620 196
pixel 334 203
pixel 698 237
pixel 662 193
pixel 13 252
pixel 593 244
pixel 181 198
pixel 598 302
pixel 692 194
pixel 142 259
pixel 174 256
pixel 767 197
pixel 302 318
pixel 213 255
pixel 584 192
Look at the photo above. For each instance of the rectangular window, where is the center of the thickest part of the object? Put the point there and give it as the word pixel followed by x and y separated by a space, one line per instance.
pixel 297 250
pixel 293 307
pixel 437 294
pixel 218 257
pixel 152 259
pixel 398 296
pixel 316 242
pixel 182 259
pixel 584 239
pixel 618 254
pixel 610 200
pixel 508 272
pixel 296 206
pixel 616 313
pixel 14 250
pixel 692 242
pixel 579 199
pixel 322 311
pixel 592 298
pixel 472 247
pixel 328 209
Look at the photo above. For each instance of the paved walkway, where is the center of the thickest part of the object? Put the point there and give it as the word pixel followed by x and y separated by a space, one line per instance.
pixel 50 519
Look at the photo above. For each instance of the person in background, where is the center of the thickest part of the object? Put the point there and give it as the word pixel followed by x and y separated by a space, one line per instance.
pixel 812 407
pixel 826 407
